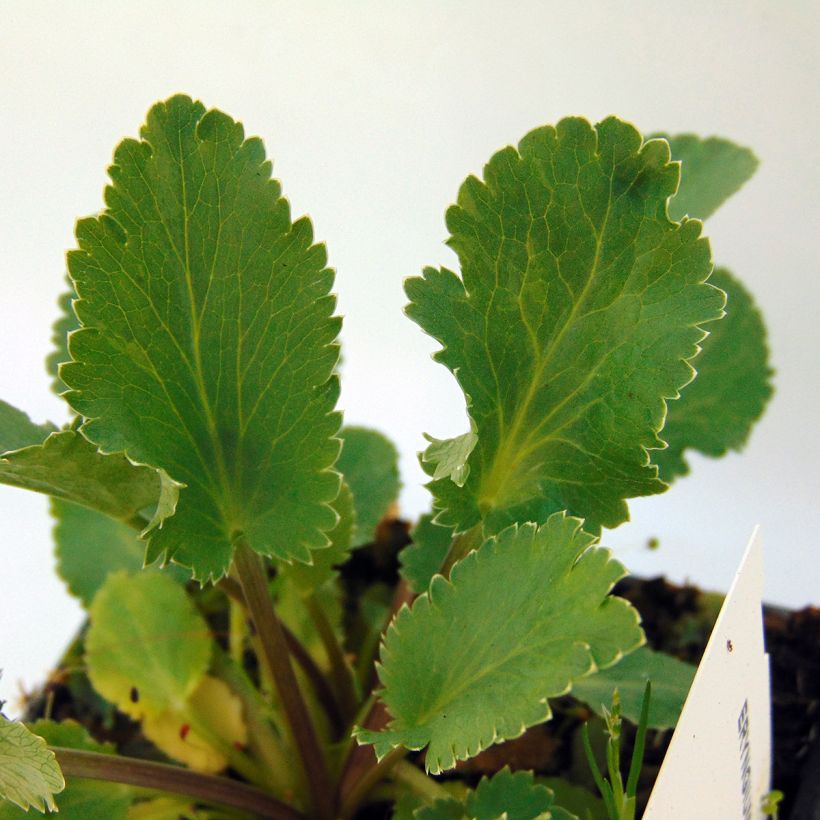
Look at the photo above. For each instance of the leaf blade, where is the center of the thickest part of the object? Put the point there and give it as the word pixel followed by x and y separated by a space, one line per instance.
pixel 559 328
pixel 475 659
pixel 369 464
pixel 29 774
pixel 671 680
pixel 67 466
pixel 712 170
pixel 208 340
pixel 717 411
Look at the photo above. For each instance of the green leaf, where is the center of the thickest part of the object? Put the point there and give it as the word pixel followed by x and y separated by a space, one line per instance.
pixel 508 795
pixel 717 411
pixel 370 464
pixel 82 799
pixel 65 323
pixel 514 796
pixel 91 546
pixel 671 681
pixel 208 340
pixel 17 430
pixel 449 458
pixel 576 312
pixel 712 170
pixel 308 577
pixel 147 648
pixel 576 799
pixel 422 559
pixel 475 659
pixel 66 465
pixel 29 774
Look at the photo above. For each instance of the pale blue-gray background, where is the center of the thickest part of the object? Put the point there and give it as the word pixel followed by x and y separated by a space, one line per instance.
pixel 374 112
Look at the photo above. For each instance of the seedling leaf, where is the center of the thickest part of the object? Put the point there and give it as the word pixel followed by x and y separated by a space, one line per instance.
pixel 369 463
pixel 208 340
pixel 147 638
pixel 671 681
pixel 422 559
pixel 513 796
pixel 717 411
pixel 29 774
pixel 475 659
pixel 82 799
pixel 712 170
pixel 17 430
pixel 578 307
pixel 68 466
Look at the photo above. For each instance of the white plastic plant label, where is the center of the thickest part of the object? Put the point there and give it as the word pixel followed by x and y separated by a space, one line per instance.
pixel 719 761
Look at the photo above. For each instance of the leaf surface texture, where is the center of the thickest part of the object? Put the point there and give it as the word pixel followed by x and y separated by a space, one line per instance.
pixel 208 340
pixel 475 659
pixel 574 317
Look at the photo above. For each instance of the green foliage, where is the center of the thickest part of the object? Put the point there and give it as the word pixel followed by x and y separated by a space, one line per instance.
pixel 65 323
pixel 324 561
pixel 67 466
pixel 620 800
pixel 207 345
pixel 17 430
pixel 514 796
pixel 716 412
pixel 475 659
pixel 148 648
pixel 671 681
pixel 82 799
pixel 577 310
pixel 370 465
pixel 91 546
pixel 197 343
pixel 29 774
pixel 423 558
pixel 712 170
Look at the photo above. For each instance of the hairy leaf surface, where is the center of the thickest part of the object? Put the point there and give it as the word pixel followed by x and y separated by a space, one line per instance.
pixel 68 466
pixel 712 170
pixel 671 681
pixel 147 648
pixel 422 559
pixel 29 774
pixel 475 659
pixel 82 799
pixel 508 795
pixel 370 464
pixel 208 340
pixel 717 411
pixel 576 312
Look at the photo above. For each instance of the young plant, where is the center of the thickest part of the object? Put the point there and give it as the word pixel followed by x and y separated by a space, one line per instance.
pixel 198 351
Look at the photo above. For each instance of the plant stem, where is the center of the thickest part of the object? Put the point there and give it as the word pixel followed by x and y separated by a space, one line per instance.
pixel 236 630
pixel 175 779
pixel 341 673
pixel 413 777
pixel 462 544
pixel 264 742
pixel 276 656
pixel 322 690
pixel 369 779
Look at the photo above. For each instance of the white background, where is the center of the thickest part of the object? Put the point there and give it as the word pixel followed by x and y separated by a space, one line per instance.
pixel 374 112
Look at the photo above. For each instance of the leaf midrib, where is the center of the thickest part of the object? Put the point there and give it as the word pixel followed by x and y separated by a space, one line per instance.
pixel 494 480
